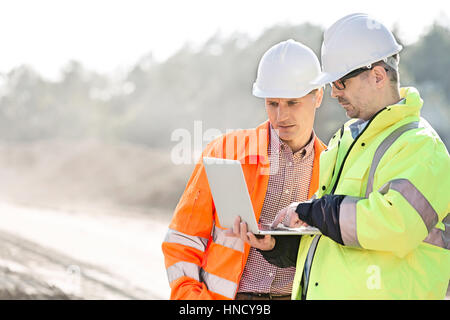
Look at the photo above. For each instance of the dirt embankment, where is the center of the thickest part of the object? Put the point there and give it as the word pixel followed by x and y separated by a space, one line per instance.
pixel 90 174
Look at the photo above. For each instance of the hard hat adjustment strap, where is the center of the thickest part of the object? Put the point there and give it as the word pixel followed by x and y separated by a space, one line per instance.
pixel 391 62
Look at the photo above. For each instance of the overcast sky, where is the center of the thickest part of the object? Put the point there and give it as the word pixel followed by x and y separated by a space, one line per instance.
pixel 111 35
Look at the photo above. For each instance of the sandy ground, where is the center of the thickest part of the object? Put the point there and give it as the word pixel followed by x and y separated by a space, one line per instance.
pixel 52 254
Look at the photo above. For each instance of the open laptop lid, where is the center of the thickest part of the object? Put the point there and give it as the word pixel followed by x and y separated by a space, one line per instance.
pixel 231 198
pixel 229 190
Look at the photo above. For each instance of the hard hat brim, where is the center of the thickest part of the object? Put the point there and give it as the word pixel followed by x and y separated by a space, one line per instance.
pixel 327 77
pixel 287 94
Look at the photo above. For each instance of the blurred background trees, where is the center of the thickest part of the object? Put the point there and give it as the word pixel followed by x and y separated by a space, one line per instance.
pixel 211 83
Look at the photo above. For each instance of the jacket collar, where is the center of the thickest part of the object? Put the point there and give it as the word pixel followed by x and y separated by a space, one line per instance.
pixel 407 108
pixel 258 154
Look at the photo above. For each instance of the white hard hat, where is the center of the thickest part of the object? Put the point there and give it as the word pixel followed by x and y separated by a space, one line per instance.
pixel 286 71
pixel 353 42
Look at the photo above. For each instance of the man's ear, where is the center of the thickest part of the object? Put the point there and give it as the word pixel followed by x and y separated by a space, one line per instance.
pixel 381 76
pixel 319 97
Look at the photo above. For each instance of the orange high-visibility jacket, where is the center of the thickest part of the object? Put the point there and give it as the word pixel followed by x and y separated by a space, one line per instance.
pixel 201 262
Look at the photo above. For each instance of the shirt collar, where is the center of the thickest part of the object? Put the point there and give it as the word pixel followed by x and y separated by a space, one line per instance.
pixel 276 145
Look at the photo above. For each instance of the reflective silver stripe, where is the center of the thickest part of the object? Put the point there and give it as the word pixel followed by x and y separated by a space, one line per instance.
pixel 308 262
pixel 438 237
pixel 174 236
pixel 415 198
pixel 347 221
pixel 446 233
pixel 181 269
pixel 219 237
pixel 219 285
pixel 381 150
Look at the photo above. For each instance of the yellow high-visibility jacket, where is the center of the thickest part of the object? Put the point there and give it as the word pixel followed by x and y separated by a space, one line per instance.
pixel 387 190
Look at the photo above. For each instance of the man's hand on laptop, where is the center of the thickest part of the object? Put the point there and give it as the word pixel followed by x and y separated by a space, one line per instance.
pixel 288 217
pixel 240 230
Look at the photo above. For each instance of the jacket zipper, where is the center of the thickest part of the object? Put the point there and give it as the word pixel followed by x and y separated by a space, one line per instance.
pixel 350 149
pixel 311 252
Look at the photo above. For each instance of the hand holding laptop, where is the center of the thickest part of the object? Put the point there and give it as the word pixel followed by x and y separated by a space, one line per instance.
pixel 286 216
pixel 240 230
pixel 231 198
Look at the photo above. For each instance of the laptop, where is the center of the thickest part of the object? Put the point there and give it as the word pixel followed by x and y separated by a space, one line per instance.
pixel 231 198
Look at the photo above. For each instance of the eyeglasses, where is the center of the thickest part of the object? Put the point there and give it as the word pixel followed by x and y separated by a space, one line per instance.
pixel 340 84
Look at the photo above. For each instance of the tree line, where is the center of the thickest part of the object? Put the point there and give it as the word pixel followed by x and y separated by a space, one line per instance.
pixel 211 83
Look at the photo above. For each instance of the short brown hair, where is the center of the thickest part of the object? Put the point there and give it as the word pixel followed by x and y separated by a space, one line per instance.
pixel 392 73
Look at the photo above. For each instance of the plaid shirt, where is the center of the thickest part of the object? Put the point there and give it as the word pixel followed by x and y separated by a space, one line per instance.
pixel 290 175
